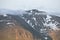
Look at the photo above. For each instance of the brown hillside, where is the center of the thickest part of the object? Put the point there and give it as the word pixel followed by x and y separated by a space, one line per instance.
pixel 55 35
pixel 15 33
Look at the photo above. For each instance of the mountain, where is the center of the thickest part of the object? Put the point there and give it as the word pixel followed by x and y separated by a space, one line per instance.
pixel 40 18
pixel 36 24
pixel 13 27
pixel 42 22
pixel 10 23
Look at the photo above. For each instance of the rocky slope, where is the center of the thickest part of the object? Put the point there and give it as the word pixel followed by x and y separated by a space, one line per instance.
pixel 43 22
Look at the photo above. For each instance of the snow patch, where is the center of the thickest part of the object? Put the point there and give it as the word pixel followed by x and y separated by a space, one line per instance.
pixel 10 23
pixel 28 21
pixel 34 18
pixel 49 23
pixel 5 15
pixel 32 25
pixel 48 17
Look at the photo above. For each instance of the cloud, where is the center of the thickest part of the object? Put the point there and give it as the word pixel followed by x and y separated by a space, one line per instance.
pixel 30 4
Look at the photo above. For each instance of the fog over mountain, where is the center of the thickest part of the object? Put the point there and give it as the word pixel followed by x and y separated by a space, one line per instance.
pixel 15 12
pixel 51 5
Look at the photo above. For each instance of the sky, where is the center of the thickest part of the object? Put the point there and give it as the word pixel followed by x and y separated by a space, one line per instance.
pixel 30 4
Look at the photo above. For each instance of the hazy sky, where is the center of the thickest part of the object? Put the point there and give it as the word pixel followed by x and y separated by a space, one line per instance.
pixel 30 4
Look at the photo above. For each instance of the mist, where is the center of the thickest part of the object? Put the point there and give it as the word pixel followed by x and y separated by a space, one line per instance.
pixel 47 5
